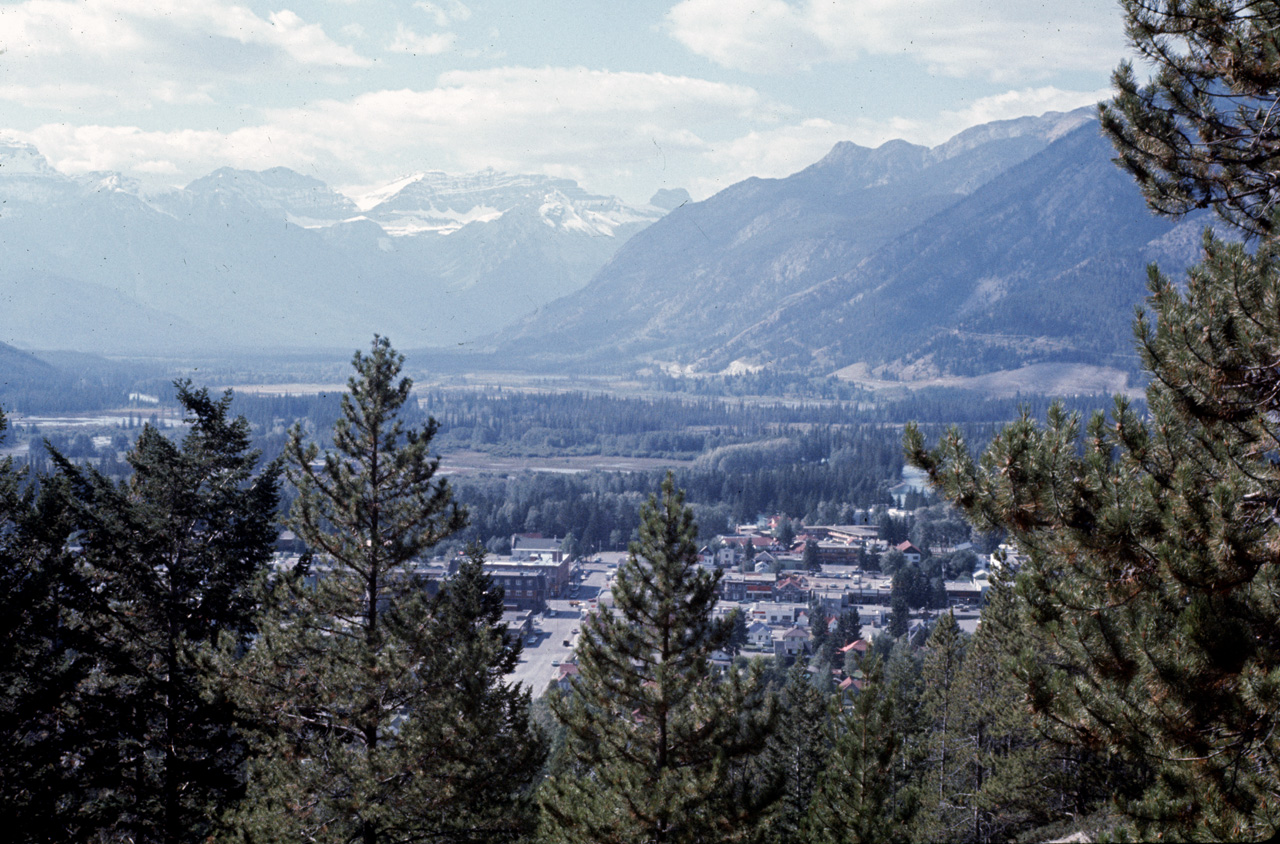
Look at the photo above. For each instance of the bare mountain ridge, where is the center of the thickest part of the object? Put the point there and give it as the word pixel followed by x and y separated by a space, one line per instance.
pixel 1014 243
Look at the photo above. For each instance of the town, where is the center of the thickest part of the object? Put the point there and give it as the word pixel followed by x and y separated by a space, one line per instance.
pixel 772 578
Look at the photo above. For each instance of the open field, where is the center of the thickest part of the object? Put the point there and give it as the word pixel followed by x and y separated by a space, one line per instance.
pixel 479 462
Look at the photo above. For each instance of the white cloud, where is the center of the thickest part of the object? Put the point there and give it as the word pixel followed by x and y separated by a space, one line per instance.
pixel 408 41
pixel 119 27
pixel 611 129
pixel 444 13
pixel 616 132
pixel 994 39
pixel 1013 104
pixel 183 49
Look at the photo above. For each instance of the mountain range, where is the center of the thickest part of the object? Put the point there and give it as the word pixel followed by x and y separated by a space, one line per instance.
pixel 276 259
pixel 1013 244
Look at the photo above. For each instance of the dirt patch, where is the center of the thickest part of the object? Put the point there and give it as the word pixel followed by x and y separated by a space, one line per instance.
pixel 1054 379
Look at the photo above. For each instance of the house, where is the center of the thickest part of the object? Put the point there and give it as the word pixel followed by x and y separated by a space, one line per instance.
pixel 850 686
pixel 858 647
pixel 759 634
pixel 566 674
pixel 775 613
pixel 519 623
pixel 790 643
pixel 792 588
pixel 909 551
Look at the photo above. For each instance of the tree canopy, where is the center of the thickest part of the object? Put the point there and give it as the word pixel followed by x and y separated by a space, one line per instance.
pixel 1204 131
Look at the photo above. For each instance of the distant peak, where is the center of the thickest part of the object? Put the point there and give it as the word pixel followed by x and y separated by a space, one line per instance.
pixel 21 158
pixel 1051 125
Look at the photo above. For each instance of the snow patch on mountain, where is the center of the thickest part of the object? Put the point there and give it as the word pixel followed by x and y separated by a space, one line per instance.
pixel 19 158
pixel 438 203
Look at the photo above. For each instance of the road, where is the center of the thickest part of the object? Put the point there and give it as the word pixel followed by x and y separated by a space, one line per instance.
pixel 539 663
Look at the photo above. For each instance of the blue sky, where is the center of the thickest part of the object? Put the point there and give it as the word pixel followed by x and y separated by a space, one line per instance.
pixel 626 96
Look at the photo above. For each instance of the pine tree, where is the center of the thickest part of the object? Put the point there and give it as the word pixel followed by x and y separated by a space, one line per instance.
pixel 900 610
pixel 1151 546
pixel 811 562
pixel 382 714
pixel 45 657
pixel 798 753
pixel 1203 131
pixel 1009 779
pixel 940 706
pixel 855 801
pixel 903 682
pixel 738 631
pixel 173 555
pixel 848 627
pixel 664 749
pixel 1151 553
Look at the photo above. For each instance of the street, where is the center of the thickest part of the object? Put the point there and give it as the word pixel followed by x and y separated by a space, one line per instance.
pixel 539 663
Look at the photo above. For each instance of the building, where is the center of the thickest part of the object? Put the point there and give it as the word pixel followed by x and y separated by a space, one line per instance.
pixel 524 587
pixel 909 551
pixel 536 547
pixel 744 588
pixel 840 553
pixel 790 643
pixel 556 572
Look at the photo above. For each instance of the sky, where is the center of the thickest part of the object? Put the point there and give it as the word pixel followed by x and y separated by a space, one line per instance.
pixel 624 96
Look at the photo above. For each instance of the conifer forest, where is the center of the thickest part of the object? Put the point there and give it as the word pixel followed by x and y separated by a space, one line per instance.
pixel 268 617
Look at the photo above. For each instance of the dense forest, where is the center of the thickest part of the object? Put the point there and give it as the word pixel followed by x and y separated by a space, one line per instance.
pixel 737 457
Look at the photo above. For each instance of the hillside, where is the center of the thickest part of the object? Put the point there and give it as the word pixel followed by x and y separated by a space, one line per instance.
pixel 1012 244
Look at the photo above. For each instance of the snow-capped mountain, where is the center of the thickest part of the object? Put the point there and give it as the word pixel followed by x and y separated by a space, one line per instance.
pixel 440 203
pixel 279 259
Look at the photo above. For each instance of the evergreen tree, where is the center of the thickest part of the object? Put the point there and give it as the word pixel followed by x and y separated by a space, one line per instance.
pixel 382 714
pixel 819 628
pixel 1150 577
pixel 663 749
pixel 173 555
pixel 899 611
pixel 1009 779
pixel 811 562
pixel 939 817
pixel 903 682
pixel 738 632
pixel 855 800
pixel 1150 554
pixel 1202 132
pixel 786 534
pixel 848 627
pixel 45 657
pixel 797 753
